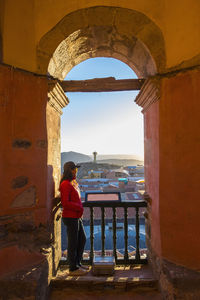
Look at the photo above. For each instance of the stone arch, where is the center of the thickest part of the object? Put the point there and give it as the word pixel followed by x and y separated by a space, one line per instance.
pixel 121 33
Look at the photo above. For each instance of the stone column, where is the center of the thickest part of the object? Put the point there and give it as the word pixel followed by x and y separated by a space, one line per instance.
pixel 148 99
pixel 56 101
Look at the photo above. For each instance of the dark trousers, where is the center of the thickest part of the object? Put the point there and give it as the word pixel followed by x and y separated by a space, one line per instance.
pixel 76 241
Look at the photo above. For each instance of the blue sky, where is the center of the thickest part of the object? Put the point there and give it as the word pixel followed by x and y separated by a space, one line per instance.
pixel 109 123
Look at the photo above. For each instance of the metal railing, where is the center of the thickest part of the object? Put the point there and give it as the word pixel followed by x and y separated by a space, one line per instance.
pixel 114 205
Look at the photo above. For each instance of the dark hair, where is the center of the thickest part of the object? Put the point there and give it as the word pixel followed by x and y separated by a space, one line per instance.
pixel 67 174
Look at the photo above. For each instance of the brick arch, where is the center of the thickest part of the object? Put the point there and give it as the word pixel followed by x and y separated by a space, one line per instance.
pixel 125 34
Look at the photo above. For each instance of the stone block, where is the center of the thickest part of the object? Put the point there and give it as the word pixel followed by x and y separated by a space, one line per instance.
pixel 103 265
pixel 100 16
pixel 25 199
pixel 130 22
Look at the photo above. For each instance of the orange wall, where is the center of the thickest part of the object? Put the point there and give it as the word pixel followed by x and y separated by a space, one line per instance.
pixel 23 99
pixel 179 169
pixel 172 173
pixel 13 259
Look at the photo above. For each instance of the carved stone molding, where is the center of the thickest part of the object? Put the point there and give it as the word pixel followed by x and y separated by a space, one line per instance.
pixel 56 97
pixel 149 93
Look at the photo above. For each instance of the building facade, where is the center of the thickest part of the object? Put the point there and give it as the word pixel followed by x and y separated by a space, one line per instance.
pixel 40 42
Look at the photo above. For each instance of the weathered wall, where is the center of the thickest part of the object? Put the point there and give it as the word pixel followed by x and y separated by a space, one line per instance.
pixel 179 168
pixel 172 143
pixel 30 111
pixel 1 27
pixel 23 172
pixel 119 33
pixel 38 17
pixel 24 147
pixel 28 171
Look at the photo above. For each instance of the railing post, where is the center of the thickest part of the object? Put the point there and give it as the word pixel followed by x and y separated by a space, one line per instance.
pixel 91 235
pixel 137 228
pixel 125 259
pixel 102 231
pixel 126 235
pixel 114 234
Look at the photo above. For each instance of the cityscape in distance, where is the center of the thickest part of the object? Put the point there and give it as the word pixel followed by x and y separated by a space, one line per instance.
pixel 103 174
pixel 119 159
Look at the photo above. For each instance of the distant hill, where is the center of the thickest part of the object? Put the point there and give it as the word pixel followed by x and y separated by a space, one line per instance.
pixel 75 157
pixel 121 162
pixel 118 156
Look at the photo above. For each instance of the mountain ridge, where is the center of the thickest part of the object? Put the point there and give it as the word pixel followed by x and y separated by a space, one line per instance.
pixel 121 160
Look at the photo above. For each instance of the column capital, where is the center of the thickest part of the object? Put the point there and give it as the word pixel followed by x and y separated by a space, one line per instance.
pixel 149 93
pixel 56 96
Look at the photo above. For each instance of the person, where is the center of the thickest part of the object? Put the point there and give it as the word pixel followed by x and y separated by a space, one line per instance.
pixel 72 218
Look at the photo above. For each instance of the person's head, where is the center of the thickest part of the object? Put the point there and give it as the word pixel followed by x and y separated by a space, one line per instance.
pixel 70 171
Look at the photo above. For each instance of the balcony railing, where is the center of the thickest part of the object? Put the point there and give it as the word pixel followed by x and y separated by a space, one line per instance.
pixel 137 258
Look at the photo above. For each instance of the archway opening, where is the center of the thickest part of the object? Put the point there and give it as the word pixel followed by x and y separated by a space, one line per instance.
pixel 96 112
pixel 124 34
pixel 111 124
pixel 114 32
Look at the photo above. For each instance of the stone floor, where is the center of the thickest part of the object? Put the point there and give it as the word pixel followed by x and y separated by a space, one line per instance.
pixel 104 295
pixel 127 283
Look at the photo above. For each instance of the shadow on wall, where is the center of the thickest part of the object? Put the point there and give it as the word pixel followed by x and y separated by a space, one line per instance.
pixel 55 219
pixel 50 191
pixel 1 51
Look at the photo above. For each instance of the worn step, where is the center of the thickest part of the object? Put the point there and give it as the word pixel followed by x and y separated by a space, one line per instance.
pixel 127 281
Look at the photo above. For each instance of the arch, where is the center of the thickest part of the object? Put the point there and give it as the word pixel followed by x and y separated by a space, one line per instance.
pixel 125 34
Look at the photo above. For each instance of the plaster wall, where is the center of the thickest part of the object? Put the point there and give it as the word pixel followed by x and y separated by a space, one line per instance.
pixel 30 169
pixel 179 23
pixel 23 132
pixel 17 259
pixel 179 168
pixel 172 143
pixel 23 172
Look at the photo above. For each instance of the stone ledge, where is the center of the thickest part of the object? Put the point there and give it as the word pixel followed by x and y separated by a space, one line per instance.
pixel 105 295
pixel 124 278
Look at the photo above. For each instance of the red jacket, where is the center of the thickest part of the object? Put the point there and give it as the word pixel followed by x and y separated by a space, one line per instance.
pixel 71 201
